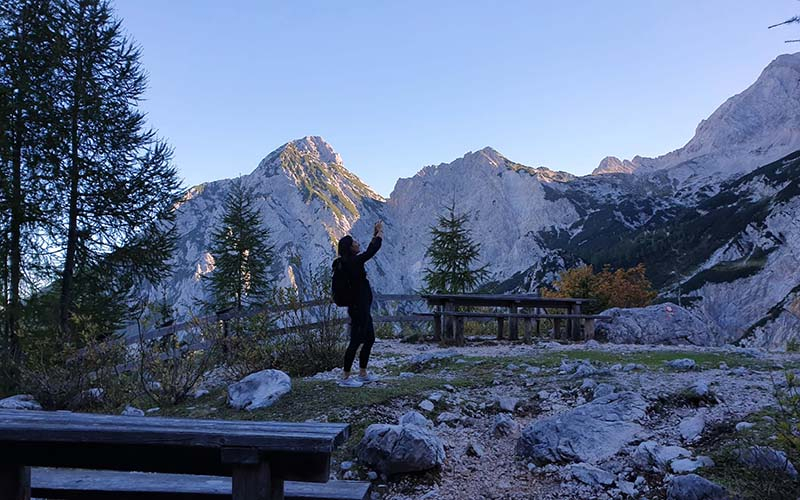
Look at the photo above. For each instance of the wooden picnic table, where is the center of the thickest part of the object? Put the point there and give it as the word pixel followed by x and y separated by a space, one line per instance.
pixel 258 456
pixel 445 305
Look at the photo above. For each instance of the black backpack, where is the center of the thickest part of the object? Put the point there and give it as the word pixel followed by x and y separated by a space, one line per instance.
pixel 341 286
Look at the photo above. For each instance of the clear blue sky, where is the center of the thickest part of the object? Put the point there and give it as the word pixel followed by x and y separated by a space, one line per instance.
pixel 396 85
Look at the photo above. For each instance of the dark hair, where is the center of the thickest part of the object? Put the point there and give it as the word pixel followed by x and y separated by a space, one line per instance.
pixel 345 248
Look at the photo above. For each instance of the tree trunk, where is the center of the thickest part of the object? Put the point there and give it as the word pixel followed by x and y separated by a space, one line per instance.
pixel 15 243
pixel 72 231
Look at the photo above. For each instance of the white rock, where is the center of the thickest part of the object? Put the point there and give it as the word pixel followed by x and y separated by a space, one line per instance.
pixel 654 325
pixel 743 426
pixel 508 404
pixel 692 486
pixel 685 465
pixel 20 402
pixel 131 411
pixel 393 449
pixel 692 427
pixel 259 390
pixel 591 475
pixel 415 418
pixel 683 364
pixel 426 405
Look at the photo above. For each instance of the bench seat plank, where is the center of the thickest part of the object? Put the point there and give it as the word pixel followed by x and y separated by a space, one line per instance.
pixel 69 484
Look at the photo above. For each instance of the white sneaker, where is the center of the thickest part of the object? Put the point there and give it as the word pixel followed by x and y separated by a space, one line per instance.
pixel 369 378
pixel 349 382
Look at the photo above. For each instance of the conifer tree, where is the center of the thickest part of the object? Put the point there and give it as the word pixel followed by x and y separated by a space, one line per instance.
pixel 29 52
pixel 119 186
pixel 242 253
pixel 453 255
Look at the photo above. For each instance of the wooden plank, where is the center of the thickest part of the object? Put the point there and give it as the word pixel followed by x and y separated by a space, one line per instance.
pixel 500 321
pixel 316 435
pixel 291 466
pixel 81 484
pixel 437 325
pixel 513 323
pixel 15 482
pixel 588 328
pixel 556 328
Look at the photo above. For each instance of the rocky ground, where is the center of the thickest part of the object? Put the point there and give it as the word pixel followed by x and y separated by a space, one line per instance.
pixel 552 421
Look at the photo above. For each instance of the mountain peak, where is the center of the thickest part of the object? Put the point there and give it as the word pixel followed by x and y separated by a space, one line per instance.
pixel 613 165
pixel 316 146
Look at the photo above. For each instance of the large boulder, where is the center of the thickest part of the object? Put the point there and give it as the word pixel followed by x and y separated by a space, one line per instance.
pixel 694 487
pixel 394 449
pixel 658 324
pixel 259 390
pixel 20 402
pixel 589 433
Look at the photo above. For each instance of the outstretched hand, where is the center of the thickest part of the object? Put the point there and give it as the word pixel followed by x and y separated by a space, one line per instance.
pixel 378 229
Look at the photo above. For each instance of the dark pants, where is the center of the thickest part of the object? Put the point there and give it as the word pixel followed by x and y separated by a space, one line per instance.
pixel 362 333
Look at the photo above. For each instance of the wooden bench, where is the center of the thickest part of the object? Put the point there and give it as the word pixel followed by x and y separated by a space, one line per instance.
pixel 258 456
pixel 80 484
pixel 501 317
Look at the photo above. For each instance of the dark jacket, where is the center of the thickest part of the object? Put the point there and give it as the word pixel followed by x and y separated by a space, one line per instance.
pixel 362 292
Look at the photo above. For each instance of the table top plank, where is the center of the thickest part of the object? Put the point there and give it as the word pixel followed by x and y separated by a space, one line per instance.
pixel 503 300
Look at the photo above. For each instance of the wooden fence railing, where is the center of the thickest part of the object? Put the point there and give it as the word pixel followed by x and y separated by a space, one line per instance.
pixel 228 315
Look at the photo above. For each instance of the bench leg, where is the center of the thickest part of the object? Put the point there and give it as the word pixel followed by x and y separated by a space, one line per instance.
pixel 459 331
pixel 513 325
pixel 528 327
pixel 556 329
pixel 254 482
pixel 15 482
pixel 500 322
pixel 538 329
pixel 588 327
pixel 437 326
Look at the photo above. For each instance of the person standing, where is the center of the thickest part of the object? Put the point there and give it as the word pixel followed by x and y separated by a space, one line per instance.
pixel 362 331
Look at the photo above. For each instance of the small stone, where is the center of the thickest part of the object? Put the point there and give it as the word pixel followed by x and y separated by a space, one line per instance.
pixel 588 384
pixel 448 417
pixel 700 389
pixel 156 409
pixel 512 367
pixel 585 369
pixel 426 405
pixel 449 388
pixel 507 403
pixel 533 370
pixel 723 366
pixel 694 486
pixel 627 487
pixel 543 395
pixel 591 475
pixel 683 364
pixel 406 374
pixel 616 367
pixel 199 393
pixel 504 425
pixel 531 467
pixel 346 465
pixel 602 390
pixel 435 397
pixel 692 427
pixel 372 475
pixel 131 411
pixel 592 344
pixel 639 482
pixel 684 465
pixel 349 475
pixel 415 418
pixel 632 366
pixel 740 371
pixel 766 458
pixel 743 426
pixel 475 450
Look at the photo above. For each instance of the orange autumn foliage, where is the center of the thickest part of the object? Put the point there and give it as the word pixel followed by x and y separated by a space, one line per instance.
pixel 619 288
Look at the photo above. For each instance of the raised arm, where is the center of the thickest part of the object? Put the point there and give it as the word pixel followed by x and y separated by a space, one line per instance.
pixel 372 249
pixel 374 245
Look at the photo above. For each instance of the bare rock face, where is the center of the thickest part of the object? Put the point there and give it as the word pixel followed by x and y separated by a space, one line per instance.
pixel 658 324
pixel 259 390
pixel 588 433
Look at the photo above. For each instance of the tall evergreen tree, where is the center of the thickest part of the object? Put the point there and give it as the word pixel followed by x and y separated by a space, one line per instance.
pixel 29 52
pixel 453 255
pixel 119 187
pixel 242 253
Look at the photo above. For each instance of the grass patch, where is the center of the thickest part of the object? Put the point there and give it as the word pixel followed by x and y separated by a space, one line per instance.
pixel 722 443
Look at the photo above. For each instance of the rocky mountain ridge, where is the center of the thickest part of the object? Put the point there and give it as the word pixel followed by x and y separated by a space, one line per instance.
pixel 701 218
